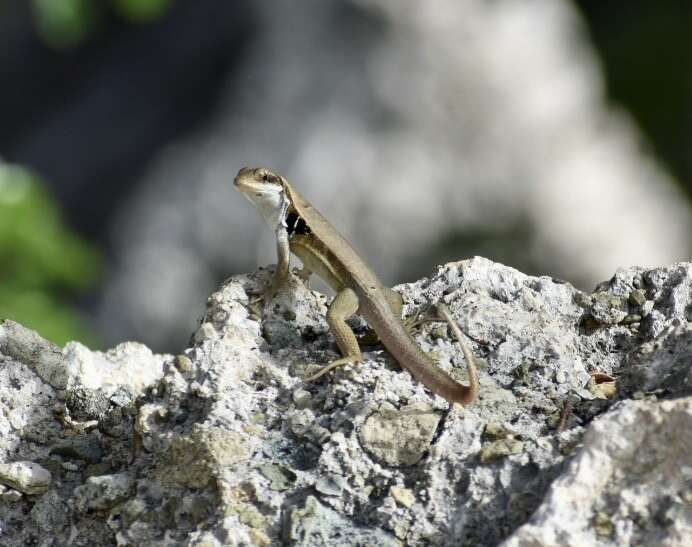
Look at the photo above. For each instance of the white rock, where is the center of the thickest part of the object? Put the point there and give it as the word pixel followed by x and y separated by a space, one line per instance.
pixel 25 476
pixel 628 485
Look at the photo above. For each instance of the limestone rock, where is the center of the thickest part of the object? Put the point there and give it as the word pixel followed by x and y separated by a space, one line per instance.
pixel 628 485
pixel 399 437
pixel 26 477
pixel 104 492
pixel 579 436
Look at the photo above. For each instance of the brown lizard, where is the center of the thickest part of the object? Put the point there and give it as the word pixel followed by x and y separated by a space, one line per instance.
pixel 301 229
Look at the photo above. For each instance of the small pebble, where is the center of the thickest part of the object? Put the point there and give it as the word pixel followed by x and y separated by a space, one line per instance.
pixel 302 398
pixel 403 496
pixel 11 496
pixel 183 363
pixel 26 476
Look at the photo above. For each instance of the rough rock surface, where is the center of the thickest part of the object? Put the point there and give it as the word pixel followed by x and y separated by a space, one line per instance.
pixel 580 435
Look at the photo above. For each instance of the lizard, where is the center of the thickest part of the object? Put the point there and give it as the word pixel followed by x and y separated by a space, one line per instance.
pixel 299 228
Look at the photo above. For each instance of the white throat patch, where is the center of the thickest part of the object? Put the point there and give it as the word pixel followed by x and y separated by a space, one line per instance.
pixel 272 205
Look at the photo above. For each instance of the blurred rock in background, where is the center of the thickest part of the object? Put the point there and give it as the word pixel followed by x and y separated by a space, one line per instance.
pixel 426 134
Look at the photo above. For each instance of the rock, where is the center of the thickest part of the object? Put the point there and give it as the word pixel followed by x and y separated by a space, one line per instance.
pixel 50 516
pixel 83 447
pixel 577 437
pixel 194 460
pixel 330 486
pixel 403 496
pixel 498 449
pixel 302 398
pixel 399 437
pixel 28 347
pixel 315 524
pixel 87 404
pixel 281 478
pixel 27 406
pixel 26 477
pixel 183 363
pixel 130 366
pixel 628 485
pixel 103 492
pixel 11 496
pixel 607 309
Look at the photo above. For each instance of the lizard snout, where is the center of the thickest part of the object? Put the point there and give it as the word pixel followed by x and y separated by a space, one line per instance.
pixel 244 171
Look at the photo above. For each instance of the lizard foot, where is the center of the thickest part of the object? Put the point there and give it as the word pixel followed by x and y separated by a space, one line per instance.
pixel 331 366
pixel 370 338
pixel 415 321
pixel 304 275
pixel 256 299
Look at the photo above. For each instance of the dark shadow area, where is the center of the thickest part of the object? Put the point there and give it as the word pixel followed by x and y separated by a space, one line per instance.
pixel 89 119
pixel 645 48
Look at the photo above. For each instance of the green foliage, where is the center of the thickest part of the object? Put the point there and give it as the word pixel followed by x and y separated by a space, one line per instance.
pixel 70 23
pixel 65 23
pixel 141 11
pixel 643 46
pixel 41 261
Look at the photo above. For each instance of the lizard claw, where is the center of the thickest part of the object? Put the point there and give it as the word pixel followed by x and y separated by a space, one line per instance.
pixel 304 275
pixel 331 366
pixel 419 319
pixel 257 297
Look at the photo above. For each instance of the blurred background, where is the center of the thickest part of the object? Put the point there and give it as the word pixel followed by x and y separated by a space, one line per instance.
pixel 550 135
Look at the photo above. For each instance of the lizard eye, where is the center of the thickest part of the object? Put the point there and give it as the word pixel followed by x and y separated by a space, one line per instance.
pixel 269 177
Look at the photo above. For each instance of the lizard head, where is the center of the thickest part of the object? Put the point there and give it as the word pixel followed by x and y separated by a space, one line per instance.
pixel 266 190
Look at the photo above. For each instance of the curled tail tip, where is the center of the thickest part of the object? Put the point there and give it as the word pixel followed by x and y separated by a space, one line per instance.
pixel 465 394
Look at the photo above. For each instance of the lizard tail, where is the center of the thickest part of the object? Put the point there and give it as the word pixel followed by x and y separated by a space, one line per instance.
pixel 464 394
pixel 402 347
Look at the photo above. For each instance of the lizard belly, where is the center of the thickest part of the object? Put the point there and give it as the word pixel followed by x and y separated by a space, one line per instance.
pixel 317 261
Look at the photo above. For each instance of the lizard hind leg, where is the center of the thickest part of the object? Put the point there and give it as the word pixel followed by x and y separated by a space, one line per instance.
pixel 396 301
pixel 344 305
pixel 421 318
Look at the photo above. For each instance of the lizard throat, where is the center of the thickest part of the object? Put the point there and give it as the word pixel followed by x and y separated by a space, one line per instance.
pixel 272 205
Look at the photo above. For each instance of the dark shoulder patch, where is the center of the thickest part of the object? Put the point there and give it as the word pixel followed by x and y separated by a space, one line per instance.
pixel 295 224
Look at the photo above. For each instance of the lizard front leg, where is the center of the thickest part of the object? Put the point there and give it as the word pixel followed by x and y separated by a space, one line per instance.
pixel 283 262
pixel 344 305
pixel 281 274
pixel 396 302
